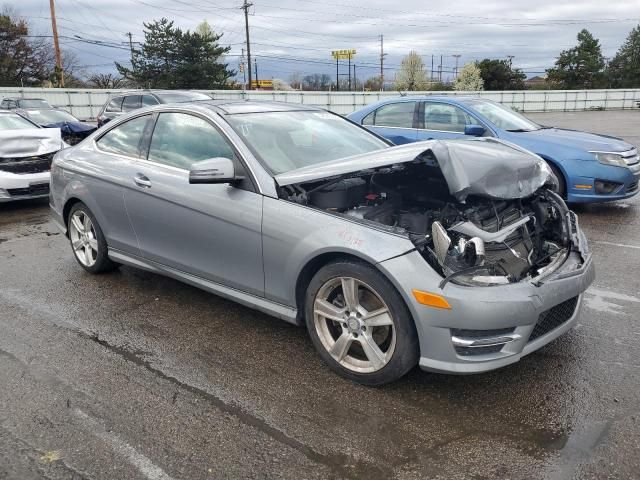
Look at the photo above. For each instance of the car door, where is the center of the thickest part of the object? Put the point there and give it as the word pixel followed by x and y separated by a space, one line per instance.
pixel 442 120
pixel 394 121
pixel 106 171
pixel 212 231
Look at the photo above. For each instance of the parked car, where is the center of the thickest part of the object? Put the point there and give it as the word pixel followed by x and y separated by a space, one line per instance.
pixel 454 255
pixel 590 167
pixel 12 103
pixel 26 152
pixel 125 102
pixel 72 129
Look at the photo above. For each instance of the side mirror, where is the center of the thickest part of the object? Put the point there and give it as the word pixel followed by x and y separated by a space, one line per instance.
pixel 213 170
pixel 474 130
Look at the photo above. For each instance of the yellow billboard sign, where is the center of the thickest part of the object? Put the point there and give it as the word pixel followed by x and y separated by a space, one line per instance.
pixel 343 54
pixel 262 84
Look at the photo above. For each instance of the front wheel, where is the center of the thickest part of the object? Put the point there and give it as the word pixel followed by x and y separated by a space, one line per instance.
pixel 359 323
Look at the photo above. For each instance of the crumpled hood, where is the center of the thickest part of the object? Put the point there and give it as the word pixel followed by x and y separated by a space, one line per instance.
pixel 29 142
pixel 575 139
pixel 484 166
pixel 72 127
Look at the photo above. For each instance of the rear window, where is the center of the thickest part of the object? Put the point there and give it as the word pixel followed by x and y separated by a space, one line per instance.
pixel 33 103
pixel 131 102
pixel 115 105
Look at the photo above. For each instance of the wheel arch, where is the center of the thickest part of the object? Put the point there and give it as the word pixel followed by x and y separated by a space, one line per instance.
pixel 554 163
pixel 66 210
pixel 312 267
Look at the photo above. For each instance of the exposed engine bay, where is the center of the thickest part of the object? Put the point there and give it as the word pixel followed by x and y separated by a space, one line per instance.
pixel 476 241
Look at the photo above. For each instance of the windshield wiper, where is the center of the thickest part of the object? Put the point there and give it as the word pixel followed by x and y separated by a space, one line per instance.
pixel 518 130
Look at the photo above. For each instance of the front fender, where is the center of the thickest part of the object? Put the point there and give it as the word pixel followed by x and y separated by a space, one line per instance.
pixel 293 235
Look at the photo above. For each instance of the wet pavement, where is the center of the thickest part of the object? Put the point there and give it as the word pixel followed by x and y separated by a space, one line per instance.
pixel 132 375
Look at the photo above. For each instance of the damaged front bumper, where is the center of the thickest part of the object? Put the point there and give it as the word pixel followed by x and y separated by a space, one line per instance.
pixel 490 327
pixel 28 186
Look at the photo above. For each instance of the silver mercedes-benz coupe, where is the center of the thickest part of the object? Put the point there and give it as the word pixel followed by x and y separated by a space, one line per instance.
pixel 454 255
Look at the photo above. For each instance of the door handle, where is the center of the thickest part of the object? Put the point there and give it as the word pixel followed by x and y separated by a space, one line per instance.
pixel 142 181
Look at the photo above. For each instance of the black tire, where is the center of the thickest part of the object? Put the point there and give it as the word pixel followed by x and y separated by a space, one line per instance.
pixel 102 261
pixel 406 352
pixel 562 183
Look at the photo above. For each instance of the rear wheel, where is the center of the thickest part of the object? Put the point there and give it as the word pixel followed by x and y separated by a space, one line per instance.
pixel 87 241
pixel 359 323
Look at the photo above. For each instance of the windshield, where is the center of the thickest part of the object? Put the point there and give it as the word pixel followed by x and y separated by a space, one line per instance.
pixel 46 117
pixel 179 97
pixel 286 141
pixel 33 103
pixel 13 121
pixel 502 117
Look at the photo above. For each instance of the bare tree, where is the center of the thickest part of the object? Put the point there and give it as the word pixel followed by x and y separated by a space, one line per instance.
pixel 412 74
pixel 107 81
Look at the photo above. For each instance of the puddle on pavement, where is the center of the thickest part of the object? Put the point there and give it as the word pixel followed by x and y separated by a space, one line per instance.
pixel 608 302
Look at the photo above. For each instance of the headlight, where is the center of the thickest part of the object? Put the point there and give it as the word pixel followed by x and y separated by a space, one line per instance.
pixel 610 158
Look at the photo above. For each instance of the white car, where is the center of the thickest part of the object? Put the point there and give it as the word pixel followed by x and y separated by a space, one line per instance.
pixel 26 152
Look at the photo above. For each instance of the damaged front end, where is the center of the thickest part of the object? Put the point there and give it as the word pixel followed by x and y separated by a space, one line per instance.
pixel 481 213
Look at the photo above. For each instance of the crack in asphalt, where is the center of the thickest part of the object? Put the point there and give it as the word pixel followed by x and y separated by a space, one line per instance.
pixel 340 464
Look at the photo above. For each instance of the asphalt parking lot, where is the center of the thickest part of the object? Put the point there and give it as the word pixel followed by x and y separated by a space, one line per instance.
pixel 132 375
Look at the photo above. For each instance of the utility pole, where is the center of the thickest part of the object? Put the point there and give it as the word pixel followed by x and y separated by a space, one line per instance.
pixel 255 64
pixel 440 70
pixel 243 70
pixel 355 81
pixel 245 6
pixel 56 45
pixel 382 55
pixel 432 77
pixel 457 57
pixel 130 43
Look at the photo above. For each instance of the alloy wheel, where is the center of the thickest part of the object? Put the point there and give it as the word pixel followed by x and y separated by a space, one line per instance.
pixel 354 324
pixel 83 238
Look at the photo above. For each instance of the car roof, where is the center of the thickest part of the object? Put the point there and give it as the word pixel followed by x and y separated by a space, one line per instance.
pixel 24 98
pixel 233 107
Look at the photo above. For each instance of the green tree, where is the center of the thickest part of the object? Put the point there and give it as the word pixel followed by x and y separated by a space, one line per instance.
pixel 412 75
pixel 469 79
pixel 498 75
pixel 23 61
pixel 581 66
pixel 624 68
pixel 171 58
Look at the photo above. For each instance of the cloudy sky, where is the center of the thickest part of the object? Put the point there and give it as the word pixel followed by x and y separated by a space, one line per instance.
pixel 297 36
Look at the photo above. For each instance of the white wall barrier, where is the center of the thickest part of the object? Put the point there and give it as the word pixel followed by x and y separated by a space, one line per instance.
pixel 86 103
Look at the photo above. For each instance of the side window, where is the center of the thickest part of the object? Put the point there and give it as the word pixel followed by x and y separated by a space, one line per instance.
pixel 149 100
pixel 180 139
pixel 125 138
pixel 115 105
pixel 447 118
pixel 395 115
pixel 368 120
pixel 131 102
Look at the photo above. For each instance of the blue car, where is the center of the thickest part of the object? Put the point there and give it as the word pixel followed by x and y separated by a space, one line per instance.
pixel 589 167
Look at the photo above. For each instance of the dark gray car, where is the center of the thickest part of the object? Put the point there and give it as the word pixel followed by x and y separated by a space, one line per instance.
pixel 125 102
pixel 454 255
